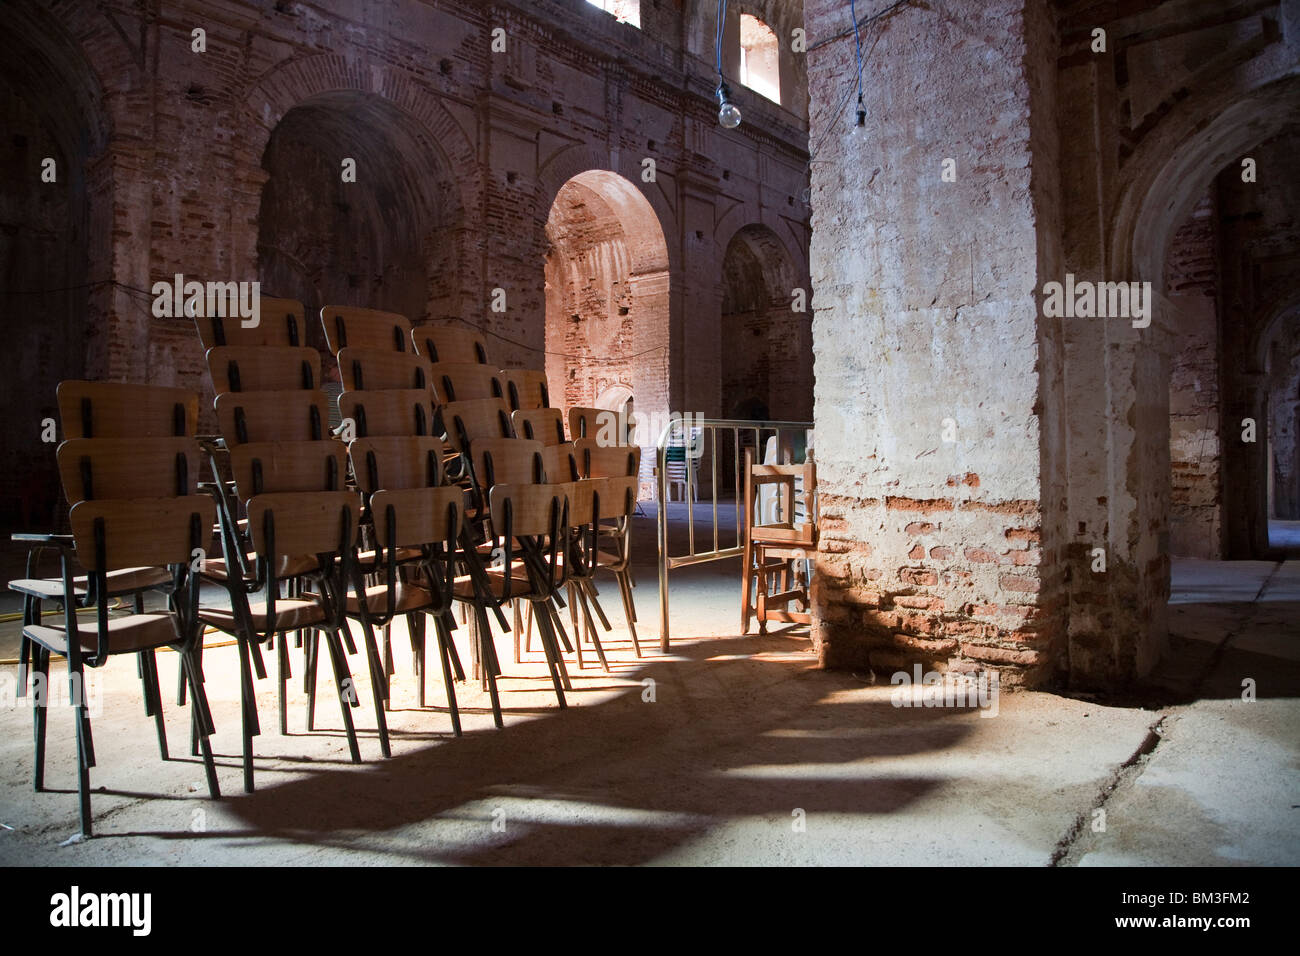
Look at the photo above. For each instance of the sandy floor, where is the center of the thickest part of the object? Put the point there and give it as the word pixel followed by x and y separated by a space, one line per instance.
pixel 729 750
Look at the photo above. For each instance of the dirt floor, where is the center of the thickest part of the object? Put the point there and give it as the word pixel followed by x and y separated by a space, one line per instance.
pixel 729 750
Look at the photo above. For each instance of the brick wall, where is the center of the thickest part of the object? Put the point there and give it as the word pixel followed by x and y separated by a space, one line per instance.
pixel 224 165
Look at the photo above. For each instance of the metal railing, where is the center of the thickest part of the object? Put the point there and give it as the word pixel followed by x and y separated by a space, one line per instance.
pixel 698 440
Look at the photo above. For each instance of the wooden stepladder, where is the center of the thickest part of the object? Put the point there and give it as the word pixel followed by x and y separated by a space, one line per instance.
pixel 780 506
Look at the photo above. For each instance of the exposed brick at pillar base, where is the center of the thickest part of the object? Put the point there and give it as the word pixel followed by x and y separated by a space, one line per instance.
pixel 952 586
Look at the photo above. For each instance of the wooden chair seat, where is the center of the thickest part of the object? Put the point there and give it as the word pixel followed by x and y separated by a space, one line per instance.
pixel 291 614
pixel 366 560
pixel 463 588
pixel 125 581
pixel 139 632
pixel 785 533
pixel 408 597
pixel 290 567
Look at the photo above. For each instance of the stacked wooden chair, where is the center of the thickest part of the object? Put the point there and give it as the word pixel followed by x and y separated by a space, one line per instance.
pixel 129 468
pixel 386 394
pixel 605 449
pixel 288 523
pixel 416 522
pixel 524 541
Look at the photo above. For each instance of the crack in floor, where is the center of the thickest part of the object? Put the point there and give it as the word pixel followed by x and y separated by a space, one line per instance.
pixel 1081 839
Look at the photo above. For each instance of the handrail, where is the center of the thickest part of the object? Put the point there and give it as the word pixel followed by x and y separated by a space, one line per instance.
pixel 674 436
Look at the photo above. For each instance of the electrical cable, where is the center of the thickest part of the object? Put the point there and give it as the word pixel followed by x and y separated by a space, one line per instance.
pixel 854 31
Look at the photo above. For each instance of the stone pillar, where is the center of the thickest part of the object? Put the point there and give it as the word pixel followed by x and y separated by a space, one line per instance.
pixel 937 382
pixel 696 380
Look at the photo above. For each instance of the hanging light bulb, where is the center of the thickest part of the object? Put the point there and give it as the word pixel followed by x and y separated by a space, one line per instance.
pixel 859 129
pixel 728 112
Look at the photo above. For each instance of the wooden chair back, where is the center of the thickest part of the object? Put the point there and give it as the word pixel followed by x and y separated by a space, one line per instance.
pixel 350 327
pixel 266 368
pixel 560 462
pixel 441 342
pixel 598 424
pixel 607 461
pixel 283 467
pixel 372 370
pixel 286 525
pixel 118 410
pixel 528 509
pixel 525 388
pixel 128 468
pixel 545 425
pixel 399 411
pixel 245 417
pixel 414 517
pixel 464 422
pixel 795 485
pixel 114 534
pixel 392 463
pixel 464 381
pixel 617 497
pixel 512 461
pixel 280 322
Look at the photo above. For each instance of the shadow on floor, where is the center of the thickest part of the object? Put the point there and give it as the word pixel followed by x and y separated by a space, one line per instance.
pixel 624 780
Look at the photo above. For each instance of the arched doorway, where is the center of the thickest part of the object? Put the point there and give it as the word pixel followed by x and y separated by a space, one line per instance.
pixel 607 298
pixel 1144 494
pixel 767 358
pixel 375 232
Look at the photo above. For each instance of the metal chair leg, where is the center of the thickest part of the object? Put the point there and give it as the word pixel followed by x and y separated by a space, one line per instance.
pixel 202 722
pixel 346 688
pixel 309 676
pixel 41 708
pixel 248 716
pixel 283 676
pixel 446 653
pixel 77 684
pixel 378 687
pixel 153 697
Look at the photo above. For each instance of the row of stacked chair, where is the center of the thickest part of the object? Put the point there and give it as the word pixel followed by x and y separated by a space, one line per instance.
pixel 448 483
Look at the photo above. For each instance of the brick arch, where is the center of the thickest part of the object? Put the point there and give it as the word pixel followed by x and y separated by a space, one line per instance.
pixel 776 269
pixel 443 167
pixel 80 48
pixel 1173 167
pixel 742 217
pixel 1271 316
pixel 55 305
pixel 1158 185
pixel 575 160
pixel 298 81
pixel 769 354
pixel 608 290
pixel 701 19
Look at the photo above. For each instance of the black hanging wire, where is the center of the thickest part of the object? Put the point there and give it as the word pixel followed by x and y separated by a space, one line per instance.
pixel 857 40
pixel 854 30
pixel 723 91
